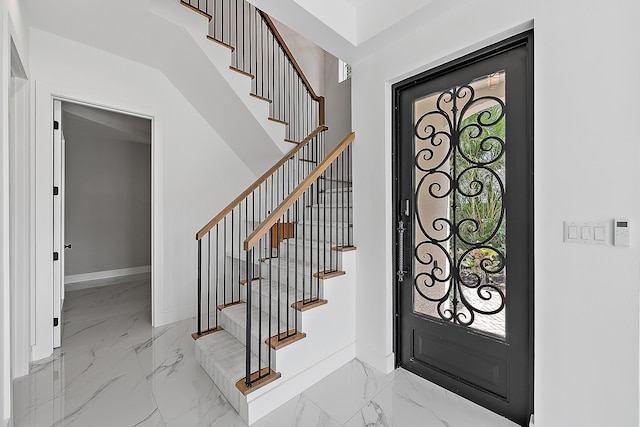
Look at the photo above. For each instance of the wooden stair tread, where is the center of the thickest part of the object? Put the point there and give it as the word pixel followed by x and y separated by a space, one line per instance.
pixel 269 376
pixel 273 119
pixel 277 342
pixel 229 304
pixel 344 248
pixel 196 335
pixel 328 274
pixel 195 9
pixel 238 70
pixel 221 43
pixel 243 282
pixel 261 98
pixel 308 304
pixel 291 141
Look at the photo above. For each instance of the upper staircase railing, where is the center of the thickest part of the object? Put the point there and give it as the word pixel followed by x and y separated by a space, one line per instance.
pixel 259 51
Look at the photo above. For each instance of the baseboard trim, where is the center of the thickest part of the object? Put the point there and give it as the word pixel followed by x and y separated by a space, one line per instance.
pixel 108 274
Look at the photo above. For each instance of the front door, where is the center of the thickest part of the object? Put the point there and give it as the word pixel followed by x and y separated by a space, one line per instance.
pixel 464 219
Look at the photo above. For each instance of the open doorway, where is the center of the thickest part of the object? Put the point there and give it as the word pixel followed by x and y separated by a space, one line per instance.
pixel 104 210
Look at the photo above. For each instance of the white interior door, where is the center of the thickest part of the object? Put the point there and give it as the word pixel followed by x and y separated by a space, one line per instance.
pixel 58 222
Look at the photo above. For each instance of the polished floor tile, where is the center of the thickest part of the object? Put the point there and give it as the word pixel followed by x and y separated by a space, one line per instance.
pixel 114 369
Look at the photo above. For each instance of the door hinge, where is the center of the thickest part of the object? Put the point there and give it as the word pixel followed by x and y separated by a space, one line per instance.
pixel 56 191
pixel 56 321
pixel 56 256
pixel 56 125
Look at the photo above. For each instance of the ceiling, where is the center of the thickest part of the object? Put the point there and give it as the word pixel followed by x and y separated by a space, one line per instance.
pixel 359 20
pixel 81 122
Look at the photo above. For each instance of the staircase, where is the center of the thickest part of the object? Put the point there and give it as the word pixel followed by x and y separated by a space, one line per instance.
pixel 276 292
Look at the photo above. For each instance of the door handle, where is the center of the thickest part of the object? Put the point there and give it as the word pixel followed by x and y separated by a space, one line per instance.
pixel 401 271
pixel 67 246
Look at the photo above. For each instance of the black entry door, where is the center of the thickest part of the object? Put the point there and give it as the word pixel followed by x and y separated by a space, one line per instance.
pixel 464 219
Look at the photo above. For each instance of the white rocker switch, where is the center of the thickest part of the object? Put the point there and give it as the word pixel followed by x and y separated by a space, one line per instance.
pixel 598 234
pixel 586 232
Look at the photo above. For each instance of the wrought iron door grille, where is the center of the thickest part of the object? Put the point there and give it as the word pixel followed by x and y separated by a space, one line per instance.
pixel 460 246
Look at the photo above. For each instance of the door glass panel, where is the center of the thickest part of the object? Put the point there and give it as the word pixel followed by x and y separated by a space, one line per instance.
pixel 459 182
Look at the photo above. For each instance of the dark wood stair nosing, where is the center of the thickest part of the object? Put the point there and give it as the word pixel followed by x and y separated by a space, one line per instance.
pixel 282 122
pixel 307 304
pixel 243 282
pixel 230 304
pixel 221 43
pixel 281 340
pixel 261 98
pixel 323 275
pixel 344 248
pixel 244 73
pixel 268 378
pixel 196 335
pixel 195 9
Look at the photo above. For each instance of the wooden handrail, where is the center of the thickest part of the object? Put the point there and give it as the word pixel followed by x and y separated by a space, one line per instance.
pixel 284 46
pixel 272 219
pixel 200 234
pixel 287 51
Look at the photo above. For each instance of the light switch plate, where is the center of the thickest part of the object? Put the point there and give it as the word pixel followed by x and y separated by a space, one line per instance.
pixel 587 233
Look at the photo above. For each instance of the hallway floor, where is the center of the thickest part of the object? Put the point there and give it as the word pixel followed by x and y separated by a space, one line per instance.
pixel 114 369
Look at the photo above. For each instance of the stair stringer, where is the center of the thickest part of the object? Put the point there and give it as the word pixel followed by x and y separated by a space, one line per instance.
pixel 196 27
pixel 323 351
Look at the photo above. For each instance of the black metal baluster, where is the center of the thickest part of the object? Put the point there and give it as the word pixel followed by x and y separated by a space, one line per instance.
pixel 277 242
pixel 344 217
pixel 233 298
pixel 249 265
pixel 237 283
pixel 224 263
pixel 244 36
pixel 209 281
pixel 304 247
pixel 217 270
pixel 314 200
pixel 333 190
pixel 199 287
pixel 350 196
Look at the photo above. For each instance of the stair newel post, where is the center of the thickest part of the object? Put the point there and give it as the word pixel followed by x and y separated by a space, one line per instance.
pixel 249 266
pixel 199 286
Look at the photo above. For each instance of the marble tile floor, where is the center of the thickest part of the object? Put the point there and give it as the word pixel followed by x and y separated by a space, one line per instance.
pixel 114 369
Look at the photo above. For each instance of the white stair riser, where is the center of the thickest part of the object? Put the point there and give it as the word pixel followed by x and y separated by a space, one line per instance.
pixel 334 235
pixel 284 304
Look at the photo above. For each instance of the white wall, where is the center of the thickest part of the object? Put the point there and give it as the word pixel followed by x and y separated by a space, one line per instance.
pixel 194 171
pixel 309 56
pixel 107 201
pixel 337 103
pixel 586 162
pixel 12 26
pixel 5 314
pixel 321 69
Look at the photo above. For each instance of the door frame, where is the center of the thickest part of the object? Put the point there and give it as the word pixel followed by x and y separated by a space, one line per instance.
pixel 42 156
pixel 63 184
pixel 527 38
